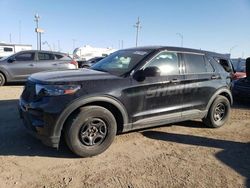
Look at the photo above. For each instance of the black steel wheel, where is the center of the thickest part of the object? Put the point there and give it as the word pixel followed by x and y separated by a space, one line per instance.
pixel 218 113
pixel 91 131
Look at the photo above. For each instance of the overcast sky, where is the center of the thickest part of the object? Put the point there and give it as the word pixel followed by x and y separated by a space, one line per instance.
pixel 216 25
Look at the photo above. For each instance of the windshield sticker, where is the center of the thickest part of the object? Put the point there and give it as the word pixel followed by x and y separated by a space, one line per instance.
pixel 140 53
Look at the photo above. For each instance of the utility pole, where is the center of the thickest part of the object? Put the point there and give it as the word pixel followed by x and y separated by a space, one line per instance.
pixel 58 45
pixel 10 38
pixel 138 27
pixel 74 41
pixel 37 17
pixel 19 29
pixel 39 32
pixel 122 44
pixel 181 36
pixel 230 50
pixel 242 55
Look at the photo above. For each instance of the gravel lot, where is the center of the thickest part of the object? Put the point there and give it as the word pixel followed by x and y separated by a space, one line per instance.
pixel 181 155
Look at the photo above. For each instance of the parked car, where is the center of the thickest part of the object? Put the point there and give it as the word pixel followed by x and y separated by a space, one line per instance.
pixel 90 62
pixel 130 89
pixel 17 67
pixel 241 87
pixel 239 67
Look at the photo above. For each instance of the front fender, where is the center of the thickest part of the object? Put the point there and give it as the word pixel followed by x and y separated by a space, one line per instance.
pixel 6 74
pixel 83 101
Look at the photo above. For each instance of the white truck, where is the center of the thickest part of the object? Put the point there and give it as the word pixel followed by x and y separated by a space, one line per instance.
pixel 9 49
pixel 87 52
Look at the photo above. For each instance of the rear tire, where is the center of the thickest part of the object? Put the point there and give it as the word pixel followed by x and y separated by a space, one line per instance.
pixel 2 79
pixel 91 131
pixel 218 113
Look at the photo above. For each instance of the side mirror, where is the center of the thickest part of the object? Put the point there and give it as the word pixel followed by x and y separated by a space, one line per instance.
pixel 152 71
pixel 11 59
pixel 140 75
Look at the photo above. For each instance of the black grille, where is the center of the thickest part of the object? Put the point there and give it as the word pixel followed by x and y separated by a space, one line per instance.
pixel 29 93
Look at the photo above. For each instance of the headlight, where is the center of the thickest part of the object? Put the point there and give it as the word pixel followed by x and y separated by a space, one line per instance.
pixel 55 90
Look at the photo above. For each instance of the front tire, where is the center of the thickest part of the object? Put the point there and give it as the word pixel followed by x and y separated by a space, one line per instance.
pixel 2 79
pixel 91 131
pixel 218 113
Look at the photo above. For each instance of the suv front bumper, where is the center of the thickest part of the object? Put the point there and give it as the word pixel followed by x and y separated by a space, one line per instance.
pixel 38 124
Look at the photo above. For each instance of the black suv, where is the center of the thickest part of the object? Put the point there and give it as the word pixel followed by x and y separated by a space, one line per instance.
pixel 130 89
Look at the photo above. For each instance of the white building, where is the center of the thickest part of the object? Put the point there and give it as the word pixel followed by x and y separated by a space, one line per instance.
pixel 9 49
pixel 87 52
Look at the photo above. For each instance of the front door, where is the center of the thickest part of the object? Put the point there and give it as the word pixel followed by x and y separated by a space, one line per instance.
pixel 22 66
pixel 161 95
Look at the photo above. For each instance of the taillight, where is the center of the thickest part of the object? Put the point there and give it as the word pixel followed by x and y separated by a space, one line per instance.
pixel 74 63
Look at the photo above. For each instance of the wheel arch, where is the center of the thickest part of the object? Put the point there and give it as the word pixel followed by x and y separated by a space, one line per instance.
pixel 108 102
pixel 5 74
pixel 223 92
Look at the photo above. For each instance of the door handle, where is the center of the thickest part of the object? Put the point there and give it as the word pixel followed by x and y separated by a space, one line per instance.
pixel 215 77
pixel 175 81
pixel 166 82
pixel 31 64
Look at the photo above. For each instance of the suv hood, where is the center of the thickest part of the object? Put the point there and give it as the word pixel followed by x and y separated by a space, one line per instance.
pixel 70 76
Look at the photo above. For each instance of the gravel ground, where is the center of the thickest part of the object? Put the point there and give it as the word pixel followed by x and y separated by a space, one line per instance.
pixel 182 155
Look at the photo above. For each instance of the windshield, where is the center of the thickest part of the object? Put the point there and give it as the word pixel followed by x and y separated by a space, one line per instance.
pixel 121 62
pixel 4 58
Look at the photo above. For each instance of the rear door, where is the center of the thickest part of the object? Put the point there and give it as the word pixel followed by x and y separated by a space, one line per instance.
pixel 45 61
pixel 201 82
pixel 63 62
pixel 22 66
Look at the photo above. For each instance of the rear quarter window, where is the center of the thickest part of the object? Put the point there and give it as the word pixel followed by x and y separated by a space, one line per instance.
pixel 225 64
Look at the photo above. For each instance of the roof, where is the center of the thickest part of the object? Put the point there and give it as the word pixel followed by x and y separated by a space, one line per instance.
pixel 11 44
pixel 181 49
pixel 45 51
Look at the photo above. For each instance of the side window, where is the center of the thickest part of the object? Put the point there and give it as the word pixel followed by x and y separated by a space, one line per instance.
pixel 62 57
pixel 242 66
pixel 25 57
pixel 45 56
pixel 167 62
pixel 225 64
pixel 6 49
pixel 195 63
pixel 209 66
